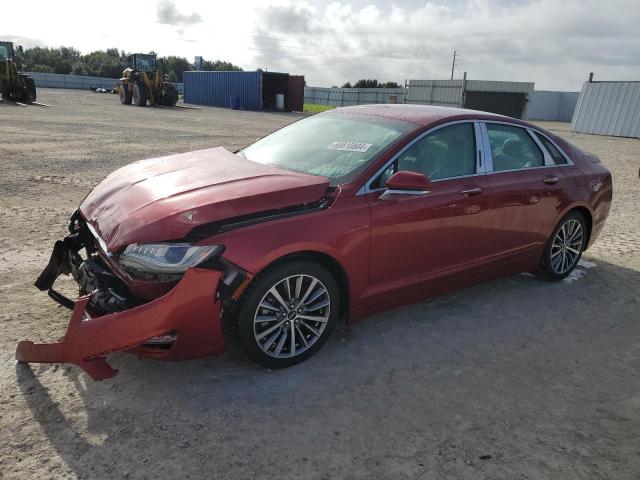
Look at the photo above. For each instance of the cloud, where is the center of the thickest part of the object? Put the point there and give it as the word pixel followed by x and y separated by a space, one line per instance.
pixel 292 18
pixel 168 14
pixel 556 44
pixel 26 42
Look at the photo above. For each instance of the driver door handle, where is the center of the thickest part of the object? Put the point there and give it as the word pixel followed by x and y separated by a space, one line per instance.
pixel 471 191
pixel 551 179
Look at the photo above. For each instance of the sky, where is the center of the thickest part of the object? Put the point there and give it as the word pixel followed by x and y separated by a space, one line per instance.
pixel 554 43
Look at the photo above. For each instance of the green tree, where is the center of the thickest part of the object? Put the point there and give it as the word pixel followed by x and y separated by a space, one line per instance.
pixel 79 68
pixel 370 83
pixel 366 83
pixel 40 68
pixel 107 63
pixel 173 67
pixel 104 63
pixel 110 68
pixel 69 54
pixel 49 57
pixel 219 66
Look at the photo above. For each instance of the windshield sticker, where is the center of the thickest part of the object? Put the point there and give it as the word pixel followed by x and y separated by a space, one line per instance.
pixel 350 146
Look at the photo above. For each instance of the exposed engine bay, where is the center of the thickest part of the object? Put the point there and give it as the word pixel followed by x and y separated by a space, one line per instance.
pixel 96 278
pixel 108 293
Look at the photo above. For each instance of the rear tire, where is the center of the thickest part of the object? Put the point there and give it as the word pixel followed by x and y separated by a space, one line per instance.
pixel 30 90
pixel 125 94
pixel 140 94
pixel 306 311
pixel 170 97
pixel 564 247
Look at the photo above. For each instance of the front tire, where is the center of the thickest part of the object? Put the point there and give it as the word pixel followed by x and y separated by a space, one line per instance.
pixel 125 94
pixel 564 247
pixel 140 95
pixel 287 313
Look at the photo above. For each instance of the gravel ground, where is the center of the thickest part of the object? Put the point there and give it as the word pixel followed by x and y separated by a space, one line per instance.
pixel 516 378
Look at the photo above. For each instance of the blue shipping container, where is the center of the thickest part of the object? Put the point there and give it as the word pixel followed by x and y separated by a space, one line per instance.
pixel 215 88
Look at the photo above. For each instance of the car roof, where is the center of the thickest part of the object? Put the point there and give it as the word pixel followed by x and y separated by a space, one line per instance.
pixel 425 115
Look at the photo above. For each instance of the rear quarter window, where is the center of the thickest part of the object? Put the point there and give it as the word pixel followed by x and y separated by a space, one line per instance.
pixel 556 155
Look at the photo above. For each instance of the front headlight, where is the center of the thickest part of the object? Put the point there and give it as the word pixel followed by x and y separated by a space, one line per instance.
pixel 164 261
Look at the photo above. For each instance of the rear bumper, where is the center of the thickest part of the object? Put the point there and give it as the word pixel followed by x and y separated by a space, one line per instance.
pixel 190 311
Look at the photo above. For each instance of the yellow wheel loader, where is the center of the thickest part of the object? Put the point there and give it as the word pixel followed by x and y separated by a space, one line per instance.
pixel 142 84
pixel 14 86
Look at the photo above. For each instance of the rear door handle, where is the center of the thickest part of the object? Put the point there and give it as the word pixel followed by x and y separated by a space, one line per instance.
pixel 471 191
pixel 551 179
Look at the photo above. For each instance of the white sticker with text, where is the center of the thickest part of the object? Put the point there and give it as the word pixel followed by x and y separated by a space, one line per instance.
pixel 350 146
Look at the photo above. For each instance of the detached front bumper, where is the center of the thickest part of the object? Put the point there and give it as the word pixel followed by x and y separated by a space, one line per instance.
pixel 189 315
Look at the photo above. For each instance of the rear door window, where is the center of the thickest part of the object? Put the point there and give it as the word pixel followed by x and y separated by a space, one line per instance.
pixel 512 148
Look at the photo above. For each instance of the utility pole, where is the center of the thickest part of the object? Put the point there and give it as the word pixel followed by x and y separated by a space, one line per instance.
pixel 453 64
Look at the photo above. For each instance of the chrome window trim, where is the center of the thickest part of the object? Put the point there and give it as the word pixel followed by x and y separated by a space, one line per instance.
pixel 481 162
pixel 523 169
pixel 366 188
pixel 486 147
pixel 390 193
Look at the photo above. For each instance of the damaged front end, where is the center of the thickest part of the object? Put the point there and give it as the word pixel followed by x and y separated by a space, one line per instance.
pixel 171 316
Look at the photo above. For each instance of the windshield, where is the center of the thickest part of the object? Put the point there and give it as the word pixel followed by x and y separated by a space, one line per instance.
pixel 334 145
pixel 4 52
pixel 146 63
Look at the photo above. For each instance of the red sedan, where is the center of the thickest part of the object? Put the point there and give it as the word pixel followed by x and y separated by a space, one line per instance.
pixel 336 216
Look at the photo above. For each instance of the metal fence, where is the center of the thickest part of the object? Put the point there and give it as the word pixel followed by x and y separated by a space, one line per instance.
pixel 446 93
pixel 542 104
pixel 552 106
pixel 608 108
pixel 342 97
pixel 450 93
pixel 79 82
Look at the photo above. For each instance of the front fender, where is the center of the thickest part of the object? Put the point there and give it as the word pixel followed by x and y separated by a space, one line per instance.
pixel 340 232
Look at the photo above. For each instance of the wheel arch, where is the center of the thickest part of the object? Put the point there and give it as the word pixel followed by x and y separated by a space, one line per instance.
pixel 586 212
pixel 330 263
pixel 588 217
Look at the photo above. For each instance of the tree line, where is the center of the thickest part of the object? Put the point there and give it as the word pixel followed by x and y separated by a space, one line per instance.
pixel 369 83
pixel 104 63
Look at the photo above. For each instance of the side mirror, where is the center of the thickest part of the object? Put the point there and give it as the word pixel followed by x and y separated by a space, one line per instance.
pixel 20 49
pixel 406 183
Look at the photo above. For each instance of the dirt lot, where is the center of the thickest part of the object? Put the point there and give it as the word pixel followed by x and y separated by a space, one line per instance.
pixel 516 379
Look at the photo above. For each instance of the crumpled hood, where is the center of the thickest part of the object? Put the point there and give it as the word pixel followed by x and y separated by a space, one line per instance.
pixel 164 198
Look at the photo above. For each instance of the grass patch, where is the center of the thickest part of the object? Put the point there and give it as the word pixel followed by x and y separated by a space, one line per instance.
pixel 315 108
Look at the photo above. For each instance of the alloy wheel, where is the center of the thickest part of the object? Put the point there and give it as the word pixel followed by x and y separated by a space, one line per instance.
pixel 291 316
pixel 567 246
